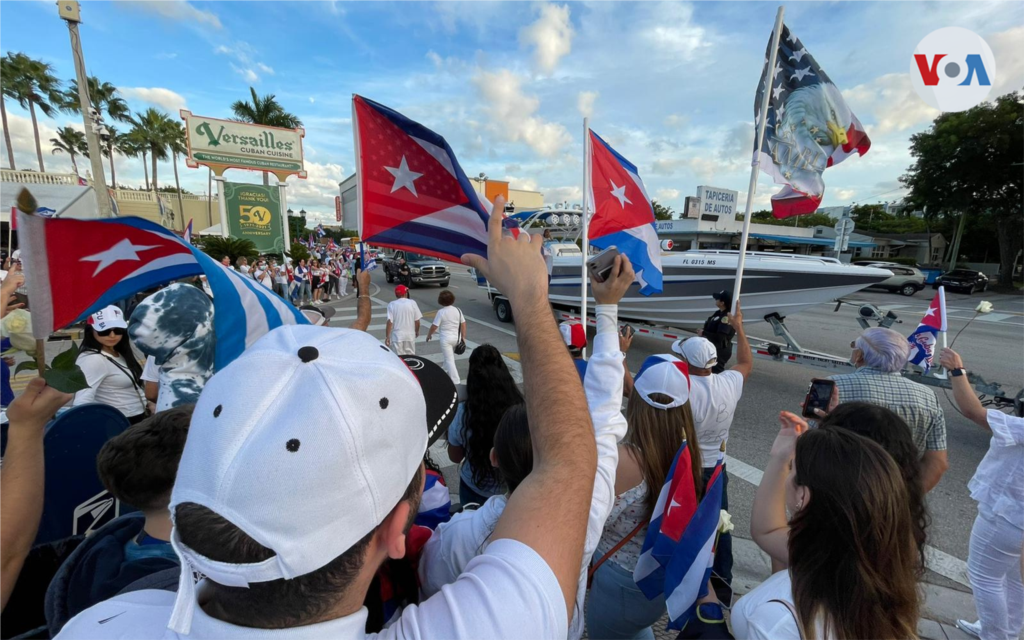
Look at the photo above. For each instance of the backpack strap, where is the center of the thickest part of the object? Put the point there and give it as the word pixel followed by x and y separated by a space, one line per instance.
pixel 597 565
pixel 792 612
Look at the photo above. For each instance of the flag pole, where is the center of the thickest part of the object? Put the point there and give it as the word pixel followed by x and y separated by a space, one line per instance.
pixel 754 166
pixel 585 245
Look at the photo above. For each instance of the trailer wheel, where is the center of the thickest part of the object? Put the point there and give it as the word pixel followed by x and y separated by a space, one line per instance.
pixel 503 309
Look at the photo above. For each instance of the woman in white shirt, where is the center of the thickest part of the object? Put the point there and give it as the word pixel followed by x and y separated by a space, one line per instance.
pixel 450 324
pixel 660 421
pixel 853 559
pixel 110 367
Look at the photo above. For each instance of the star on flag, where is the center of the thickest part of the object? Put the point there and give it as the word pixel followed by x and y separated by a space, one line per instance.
pixel 123 250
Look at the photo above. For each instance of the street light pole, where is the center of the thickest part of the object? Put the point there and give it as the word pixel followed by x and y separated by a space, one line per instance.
pixel 69 12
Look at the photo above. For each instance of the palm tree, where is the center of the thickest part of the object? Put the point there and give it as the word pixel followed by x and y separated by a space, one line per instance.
pixel 8 76
pixel 154 128
pixel 71 142
pixel 102 96
pixel 132 146
pixel 176 143
pixel 113 143
pixel 33 84
pixel 266 111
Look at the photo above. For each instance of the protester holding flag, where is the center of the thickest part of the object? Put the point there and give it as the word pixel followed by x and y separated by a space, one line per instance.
pixel 660 422
pixel 880 355
pixel 301 294
pixel 854 563
pixel 110 367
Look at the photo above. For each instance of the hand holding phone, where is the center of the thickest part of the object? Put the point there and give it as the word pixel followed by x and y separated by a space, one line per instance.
pixel 601 265
pixel 819 396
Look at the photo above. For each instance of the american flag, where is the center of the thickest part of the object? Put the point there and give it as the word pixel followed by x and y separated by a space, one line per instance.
pixel 809 127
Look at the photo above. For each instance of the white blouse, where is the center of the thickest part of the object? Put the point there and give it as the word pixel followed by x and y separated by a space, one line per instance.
pixel 998 484
pixel 627 512
pixel 109 384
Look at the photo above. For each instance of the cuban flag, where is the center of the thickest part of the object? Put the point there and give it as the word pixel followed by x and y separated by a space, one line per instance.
pixel 436 503
pixel 187 235
pixel 413 194
pixel 689 569
pixel 922 340
pixel 623 214
pixel 320 231
pixel 809 127
pixel 676 505
pixel 76 267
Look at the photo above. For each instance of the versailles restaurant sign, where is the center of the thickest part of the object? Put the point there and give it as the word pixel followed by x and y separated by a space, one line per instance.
pixel 226 144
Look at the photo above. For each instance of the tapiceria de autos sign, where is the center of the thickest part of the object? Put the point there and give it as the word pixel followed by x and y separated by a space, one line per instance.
pixel 226 144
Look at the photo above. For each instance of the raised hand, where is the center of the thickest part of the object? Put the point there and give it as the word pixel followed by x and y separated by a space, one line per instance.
pixel 36 405
pixel 616 284
pixel 791 427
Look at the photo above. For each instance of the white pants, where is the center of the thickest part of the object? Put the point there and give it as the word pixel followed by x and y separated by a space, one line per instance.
pixel 404 347
pixel 448 351
pixel 343 284
pixel 994 569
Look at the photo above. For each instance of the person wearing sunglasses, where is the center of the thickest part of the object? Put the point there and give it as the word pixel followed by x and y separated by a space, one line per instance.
pixel 110 367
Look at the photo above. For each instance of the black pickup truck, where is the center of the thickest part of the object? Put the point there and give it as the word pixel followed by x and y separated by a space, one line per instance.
pixel 422 269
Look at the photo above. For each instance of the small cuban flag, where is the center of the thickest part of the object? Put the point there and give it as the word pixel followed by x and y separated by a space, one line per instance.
pixel 922 340
pixel 187 236
pixel 320 231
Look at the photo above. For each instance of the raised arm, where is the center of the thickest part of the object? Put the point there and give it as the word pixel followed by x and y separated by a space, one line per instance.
pixel 969 404
pixel 564 452
pixel 363 312
pixel 768 524
pixel 744 356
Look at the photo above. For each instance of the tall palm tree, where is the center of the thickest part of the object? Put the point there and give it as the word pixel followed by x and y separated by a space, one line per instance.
pixel 266 111
pixel 132 146
pixel 176 144
pixel 8 77
pixel 33 85
pixel 154 128
pixel 71 142
pixel 109 146
pixel 102 96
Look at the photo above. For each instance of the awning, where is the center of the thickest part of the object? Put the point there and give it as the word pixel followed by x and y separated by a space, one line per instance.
pixel 827 242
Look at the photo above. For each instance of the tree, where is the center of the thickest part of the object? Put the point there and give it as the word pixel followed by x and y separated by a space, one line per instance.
pixel 114 143
pixel 661 212
pixel 155 130
pixel 103 96
pixel 266 111
pixel 298 252
pixel 8 75
pixel 71 142
pixel 218 247
pixel 969 163
pixel 176 143
pixel 33 85
pixel 296 226
pixel 133 146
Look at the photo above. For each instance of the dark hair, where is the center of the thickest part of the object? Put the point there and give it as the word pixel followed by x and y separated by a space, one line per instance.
pixel 446 298
pixel 138 465
pixel 852 557
pixel 513 447
pixel 881 425
pixel 490 391
pixel 282 603
pixel 90 344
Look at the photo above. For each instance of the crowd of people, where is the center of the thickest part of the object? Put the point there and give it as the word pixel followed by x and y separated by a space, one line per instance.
pixel 311 506
pixel 323 277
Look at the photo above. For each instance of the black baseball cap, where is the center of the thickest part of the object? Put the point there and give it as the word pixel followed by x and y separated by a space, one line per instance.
pixel 725 296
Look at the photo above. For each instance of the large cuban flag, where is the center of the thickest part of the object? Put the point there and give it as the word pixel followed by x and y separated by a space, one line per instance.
pixel 74 268
pixel 623 214
pixel 413 193
pixel 922 340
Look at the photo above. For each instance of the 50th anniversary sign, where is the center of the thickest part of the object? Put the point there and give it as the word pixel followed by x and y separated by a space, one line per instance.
pixel 225 144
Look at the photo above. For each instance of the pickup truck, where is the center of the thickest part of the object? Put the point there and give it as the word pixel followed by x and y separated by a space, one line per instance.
pixel 422 269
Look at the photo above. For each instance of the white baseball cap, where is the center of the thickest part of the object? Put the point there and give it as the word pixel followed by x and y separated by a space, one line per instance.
pixel 666 375
pixel 107 318
pixel 310 465
pixel 697 351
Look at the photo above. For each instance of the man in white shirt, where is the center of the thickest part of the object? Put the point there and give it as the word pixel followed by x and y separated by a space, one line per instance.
pixel 713 400
pixel 289 502
pixel 403 323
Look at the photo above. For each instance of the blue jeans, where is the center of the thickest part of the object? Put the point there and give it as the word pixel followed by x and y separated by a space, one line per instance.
pixel 467 495
pixel 723 553
pixel 617 607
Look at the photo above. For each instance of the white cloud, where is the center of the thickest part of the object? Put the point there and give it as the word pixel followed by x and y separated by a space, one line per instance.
pixel 1009 61
pixel 265 68
pixel 249 75
pixel 551 36
pixel 676 121
pixel 844 194
pixel 312 99
pixel 585 103
pixel 670 30
pixel 316 193
pixel 892 103
pixel 23 142
pixel 248 66
pixel 554 195
pixel 156 96
pixel 176 10
pixel 526 184
pixel 668 194
pixel 513 113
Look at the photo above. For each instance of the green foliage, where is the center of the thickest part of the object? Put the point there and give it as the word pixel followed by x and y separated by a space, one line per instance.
pixel 72 142
pixel 154 131
pixel 661 212
pixel 264 110
pixel 234 248
pixel 298 252
pixel 102 96
pixel 63 374
pixel 297 227
pixel 27 365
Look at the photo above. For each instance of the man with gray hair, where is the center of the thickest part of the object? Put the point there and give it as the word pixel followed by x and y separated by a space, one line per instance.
pixel 880 355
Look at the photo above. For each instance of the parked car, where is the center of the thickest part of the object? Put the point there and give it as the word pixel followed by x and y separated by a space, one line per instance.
pixel 966 280
pixel 905 280
pixel 422 269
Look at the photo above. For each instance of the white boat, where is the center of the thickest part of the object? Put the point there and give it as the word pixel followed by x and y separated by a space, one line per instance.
pixel 773 283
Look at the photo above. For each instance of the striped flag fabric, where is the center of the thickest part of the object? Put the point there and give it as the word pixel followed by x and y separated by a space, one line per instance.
pixel 120 257
pixel 187 235
pixel 923 339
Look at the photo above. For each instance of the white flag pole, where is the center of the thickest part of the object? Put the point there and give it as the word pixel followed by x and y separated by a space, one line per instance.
pixel 586 223
pixel 754 166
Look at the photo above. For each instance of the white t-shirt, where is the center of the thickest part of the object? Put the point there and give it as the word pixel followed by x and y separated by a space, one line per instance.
pixel 403 314
pixel 150 372
pixel 507 592
pixel 998 484
pixel 109 384
pixel 243 268
pixel 447 322
pixel 713 400
pixel 754 617
pixel 281 276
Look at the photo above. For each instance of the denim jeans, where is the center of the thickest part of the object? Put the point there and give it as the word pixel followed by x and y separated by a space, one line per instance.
pixel 467 495
pixel 617 608
pixel 723 553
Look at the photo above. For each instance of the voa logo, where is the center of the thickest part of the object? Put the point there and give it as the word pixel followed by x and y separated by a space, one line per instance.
pixel 952 69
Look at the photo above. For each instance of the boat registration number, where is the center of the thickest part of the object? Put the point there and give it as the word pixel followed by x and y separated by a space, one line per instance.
pixel 698 261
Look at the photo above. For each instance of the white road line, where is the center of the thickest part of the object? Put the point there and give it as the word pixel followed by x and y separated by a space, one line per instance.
pixel 492 326
pixel 938 561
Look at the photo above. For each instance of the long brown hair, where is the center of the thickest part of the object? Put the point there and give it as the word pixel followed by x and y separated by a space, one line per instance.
pixel 654 436
pixel 852 554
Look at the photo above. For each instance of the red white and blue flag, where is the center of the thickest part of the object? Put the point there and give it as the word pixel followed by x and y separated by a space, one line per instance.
pixel 320 231
pixel 187 235
pixel 436 503
pixel 809 127
pixel 76 267
pixel 623 214
pixel 922 341
pixel 413 193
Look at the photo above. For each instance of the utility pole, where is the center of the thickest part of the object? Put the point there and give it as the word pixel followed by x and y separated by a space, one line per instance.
pixel 69 12
pixel 956 241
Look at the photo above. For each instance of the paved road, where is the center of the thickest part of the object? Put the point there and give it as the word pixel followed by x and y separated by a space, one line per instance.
pixel 991 345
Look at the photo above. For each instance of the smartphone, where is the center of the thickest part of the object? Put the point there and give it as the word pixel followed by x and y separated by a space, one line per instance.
pixel 627 331
pixel 818 397
pixel 601 265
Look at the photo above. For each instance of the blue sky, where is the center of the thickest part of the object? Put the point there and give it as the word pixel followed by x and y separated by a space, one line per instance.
pixel 670 85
